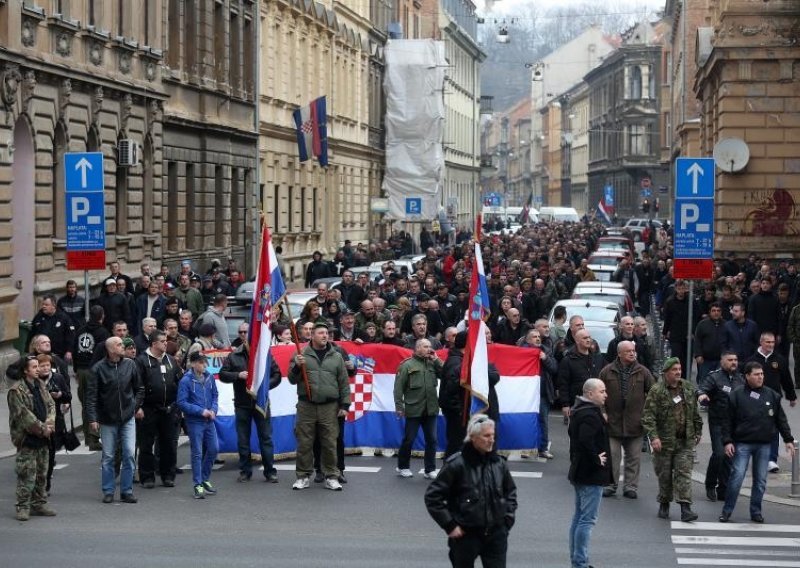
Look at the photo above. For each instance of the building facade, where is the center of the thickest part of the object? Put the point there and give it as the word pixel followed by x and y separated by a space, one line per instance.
pixel 624 122
pixel 76 77
pixel 748 82
pixel 312 49
pixel 209 132
pixel 577 147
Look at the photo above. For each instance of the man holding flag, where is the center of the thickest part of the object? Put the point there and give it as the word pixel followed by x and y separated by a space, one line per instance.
pixel 253 377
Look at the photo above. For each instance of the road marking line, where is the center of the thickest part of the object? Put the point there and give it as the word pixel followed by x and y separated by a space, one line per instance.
pixel 527 474
pixel 726 551
pixel 678 525
pixel 733 562
pixel 215 467
pixel 60 466
pixel 79 451
pixel 348 469
pixel 737 541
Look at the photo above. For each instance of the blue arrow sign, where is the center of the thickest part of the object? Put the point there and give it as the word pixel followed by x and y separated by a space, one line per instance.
pixel 83 171
pixel 694 178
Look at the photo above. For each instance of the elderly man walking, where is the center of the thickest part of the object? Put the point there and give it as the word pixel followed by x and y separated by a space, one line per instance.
pixel 627 384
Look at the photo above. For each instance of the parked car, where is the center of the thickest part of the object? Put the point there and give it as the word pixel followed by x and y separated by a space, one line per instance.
pixel 297 301
pixel 603 264
pixel 591 310
pixel 605 293
pixel 616 243
pixel 235 315
pixel 637 226
pixel 602 332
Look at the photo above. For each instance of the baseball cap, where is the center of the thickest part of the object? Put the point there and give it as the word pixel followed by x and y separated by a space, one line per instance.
pixel 109 282
pixel 197 356
pixel 206 329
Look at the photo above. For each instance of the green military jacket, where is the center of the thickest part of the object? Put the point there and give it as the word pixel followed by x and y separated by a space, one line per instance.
pixel 378 320
pixel 21 419
pixel 327 378
pixel 658 419
pixel 415 385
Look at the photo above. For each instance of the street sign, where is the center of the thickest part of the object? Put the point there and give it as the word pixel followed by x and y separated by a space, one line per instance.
pixel 694 177
pixel 694 208
pixel 492 199
pixel 693 269
pixel 85 211
pixel 413 206
pixel 83 171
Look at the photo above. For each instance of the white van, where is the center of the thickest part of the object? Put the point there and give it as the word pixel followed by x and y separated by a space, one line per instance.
pixel 559 214
pixel 509 215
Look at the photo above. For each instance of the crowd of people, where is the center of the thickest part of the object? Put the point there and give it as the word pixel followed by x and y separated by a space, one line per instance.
pixel 144 344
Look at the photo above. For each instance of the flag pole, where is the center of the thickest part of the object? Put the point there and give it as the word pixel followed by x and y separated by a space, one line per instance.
pixel 466 360
pixel 296 341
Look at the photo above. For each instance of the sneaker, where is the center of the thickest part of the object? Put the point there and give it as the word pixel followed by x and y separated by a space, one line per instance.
pixel 271 477
pixel 128 498
pixel 546 454
pixel 108 498
pixel 773 467
pixel 42 511
pixel 301 483
pixel 333 484
pixel 404 472
pixel 525 455
pixel 199 492
pixel 244 477
pixel 629 494
pixel 210 489
pixel 609 491
pixel 429 475
pixel 23 514
pixel 149 484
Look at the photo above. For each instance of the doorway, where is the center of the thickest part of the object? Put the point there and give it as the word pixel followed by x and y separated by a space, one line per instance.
pixel 23 240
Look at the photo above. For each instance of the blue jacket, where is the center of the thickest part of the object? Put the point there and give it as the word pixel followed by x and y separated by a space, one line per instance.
pixel 196 395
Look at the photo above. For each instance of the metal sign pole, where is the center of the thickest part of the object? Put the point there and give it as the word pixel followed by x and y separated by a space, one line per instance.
pixel 688 370
pixel 86 292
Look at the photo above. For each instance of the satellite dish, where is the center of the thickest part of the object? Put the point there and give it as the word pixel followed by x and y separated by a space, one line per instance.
pixel 731 155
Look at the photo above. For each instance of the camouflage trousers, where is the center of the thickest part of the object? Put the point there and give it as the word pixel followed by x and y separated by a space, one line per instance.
pixel 674 472
pixel 31 469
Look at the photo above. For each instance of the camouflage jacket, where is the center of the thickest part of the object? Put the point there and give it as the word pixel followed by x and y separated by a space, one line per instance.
pixel 658 421
pixel 21 419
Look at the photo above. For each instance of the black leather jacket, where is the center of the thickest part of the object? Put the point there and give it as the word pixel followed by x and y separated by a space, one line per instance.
pixel 114 392
pixel 473 491
pixel 718 385
pixel 160 380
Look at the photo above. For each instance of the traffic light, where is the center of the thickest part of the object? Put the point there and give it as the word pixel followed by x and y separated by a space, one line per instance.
pixel 646 206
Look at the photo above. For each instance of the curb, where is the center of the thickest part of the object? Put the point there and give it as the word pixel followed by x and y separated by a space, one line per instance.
pixel 701 478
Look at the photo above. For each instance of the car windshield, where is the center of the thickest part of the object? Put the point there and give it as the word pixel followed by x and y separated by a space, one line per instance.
pixel 602 335
pixel 600 296
pixel 604 260
pixel 594 313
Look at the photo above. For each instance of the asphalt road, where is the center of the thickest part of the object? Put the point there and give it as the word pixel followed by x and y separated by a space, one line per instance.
pixel 378 521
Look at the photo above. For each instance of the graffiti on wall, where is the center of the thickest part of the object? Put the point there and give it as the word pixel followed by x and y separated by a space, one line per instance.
pixel 770 214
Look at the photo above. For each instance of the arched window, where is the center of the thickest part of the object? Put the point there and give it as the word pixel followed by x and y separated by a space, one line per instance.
pixel 148 208
pixel 59 187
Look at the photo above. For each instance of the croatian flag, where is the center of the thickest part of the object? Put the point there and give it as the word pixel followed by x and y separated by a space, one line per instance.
pixel 605 213
pixel 312 131
pixel 371 421
pixel 525 216
pixel 475 369
pixel 269 290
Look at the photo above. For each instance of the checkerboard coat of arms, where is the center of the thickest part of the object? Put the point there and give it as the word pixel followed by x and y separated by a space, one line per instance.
pixel 360 387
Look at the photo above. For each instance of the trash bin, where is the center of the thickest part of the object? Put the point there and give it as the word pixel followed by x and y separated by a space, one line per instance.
pixel 24 332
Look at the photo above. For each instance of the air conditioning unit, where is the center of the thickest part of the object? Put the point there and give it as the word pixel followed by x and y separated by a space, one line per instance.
pixel 128 152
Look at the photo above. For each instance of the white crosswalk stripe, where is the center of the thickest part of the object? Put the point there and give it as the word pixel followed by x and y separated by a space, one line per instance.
pixel 736 544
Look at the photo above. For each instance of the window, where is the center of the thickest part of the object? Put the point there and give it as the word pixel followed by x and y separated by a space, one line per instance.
pixel 234 50
pixel 290 214
pixel 174 37
pixel 219 207
pixel 191 206
pixel 122 199
pixel 276 208
pixel 249 65
pixel 636 140
pixel 121 6
pixel 59 195
pixel 190 37
pixel 91 15
pixel 235 204
pixel 148 210
pixel 219 44
pixel 315 211
pixel 635 83
pixel 62 7
pixel 302 226
pixel 172 206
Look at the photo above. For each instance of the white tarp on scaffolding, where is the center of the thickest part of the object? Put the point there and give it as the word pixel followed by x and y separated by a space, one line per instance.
pixel 414 86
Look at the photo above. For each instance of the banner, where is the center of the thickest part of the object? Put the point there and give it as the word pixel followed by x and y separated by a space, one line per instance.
pixel 372 421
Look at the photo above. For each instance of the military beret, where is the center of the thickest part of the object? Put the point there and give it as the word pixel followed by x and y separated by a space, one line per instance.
pixel 669 363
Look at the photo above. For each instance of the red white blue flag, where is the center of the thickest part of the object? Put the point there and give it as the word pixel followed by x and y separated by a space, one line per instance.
pixel 312 131
pixel 269 290
pixel 475 368
pixel 604 212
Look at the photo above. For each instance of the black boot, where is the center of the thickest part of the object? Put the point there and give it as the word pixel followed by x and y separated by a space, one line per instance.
pixel 663 511
pixel 687 515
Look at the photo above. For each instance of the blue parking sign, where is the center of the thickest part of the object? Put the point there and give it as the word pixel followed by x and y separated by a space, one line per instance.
pixel 86 225
pixel 413 206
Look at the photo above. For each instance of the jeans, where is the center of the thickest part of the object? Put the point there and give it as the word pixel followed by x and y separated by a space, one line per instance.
pixel 125 435
pixel 244 420
pixel 413 423
pixel 719 465
pixel 203 442
pixel 587 507
pixel 760 455
pixel 544 432
pixel 774 447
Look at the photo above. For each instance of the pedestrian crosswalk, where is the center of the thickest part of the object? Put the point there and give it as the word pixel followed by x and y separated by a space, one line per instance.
pixel 736 544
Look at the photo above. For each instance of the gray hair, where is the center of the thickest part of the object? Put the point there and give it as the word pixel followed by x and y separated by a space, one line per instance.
pixel 476 424
pixel 591 385
pixel 151 321
pixel 419 317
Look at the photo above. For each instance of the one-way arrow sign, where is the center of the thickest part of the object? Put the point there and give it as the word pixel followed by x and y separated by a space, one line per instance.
pixel 694 177
pixel 83 171
pixel 695 170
